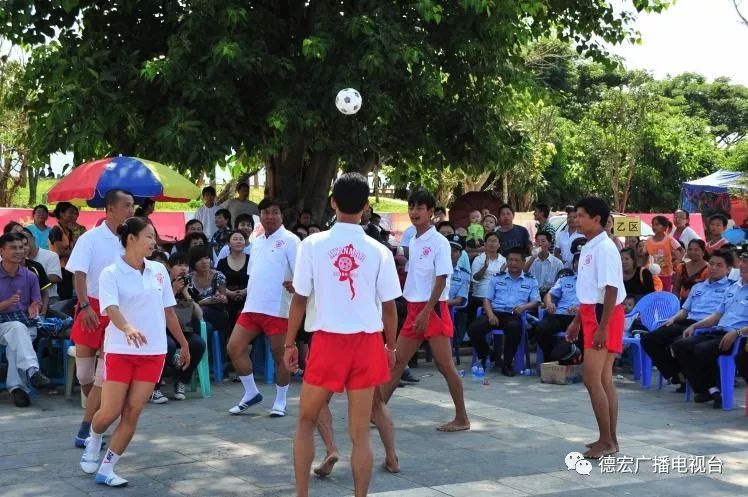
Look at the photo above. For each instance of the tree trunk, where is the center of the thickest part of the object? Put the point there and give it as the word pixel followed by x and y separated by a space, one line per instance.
pixel 33 183
pixel 505 187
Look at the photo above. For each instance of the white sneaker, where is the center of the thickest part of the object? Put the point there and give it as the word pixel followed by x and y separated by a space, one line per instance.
pixel 277 411
pixel 158 398
pixel 89 464
pixel 179 391
pixel 111 480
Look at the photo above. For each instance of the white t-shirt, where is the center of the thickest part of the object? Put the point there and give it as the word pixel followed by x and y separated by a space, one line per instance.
pixel 687 235
pixel 207 216
pixel 563 242
pixel 51 263
pixel 347 275
pixel 271 262
pixel 141 298
pixel 430 256
pixel 408 235
pixel 482 288
pixel 599 266
pixel 93 251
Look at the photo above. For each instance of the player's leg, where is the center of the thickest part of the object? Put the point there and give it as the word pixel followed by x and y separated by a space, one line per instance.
pixel 406 347
pixel 359 415
pixel 332 455
pixel 311 402
pixel 595 361
pixel 383 420
pixel 85 371
pixel 441 349
pixel 243 334
pixel 282 375
pixel 612 395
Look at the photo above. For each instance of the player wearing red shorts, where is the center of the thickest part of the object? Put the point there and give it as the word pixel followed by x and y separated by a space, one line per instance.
pixel 350 282
pixel 271 262
pixel 136 295
pixel 427 291
pixel 93 251
pixel 601 293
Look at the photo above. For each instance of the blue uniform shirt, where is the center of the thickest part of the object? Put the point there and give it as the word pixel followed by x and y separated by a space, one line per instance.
pixel 507 292
pixel 705 298
pixel 564 293
pixel 459 284
pixel 734 308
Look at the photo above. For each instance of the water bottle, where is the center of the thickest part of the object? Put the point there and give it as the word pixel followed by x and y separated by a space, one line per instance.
pixel 175 359
pixel 480 373
pixel 528 372
pixel 462 373
pixel 474 371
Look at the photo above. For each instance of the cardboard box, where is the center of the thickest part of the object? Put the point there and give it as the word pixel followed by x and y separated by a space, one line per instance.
pixel 553 372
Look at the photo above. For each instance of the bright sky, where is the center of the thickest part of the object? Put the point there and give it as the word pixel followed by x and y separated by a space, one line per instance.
pixel 702 36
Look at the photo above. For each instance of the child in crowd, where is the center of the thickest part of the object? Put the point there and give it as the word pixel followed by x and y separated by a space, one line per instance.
pixel 717 226
pixel 223 230
pixel 475 231
pixel 489 224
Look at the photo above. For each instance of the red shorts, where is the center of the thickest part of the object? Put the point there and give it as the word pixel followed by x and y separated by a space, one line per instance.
pixel 126 368
pixel 269 325
pixel 439 325
pixel 590 315
pixel 90 338
pixel 340 361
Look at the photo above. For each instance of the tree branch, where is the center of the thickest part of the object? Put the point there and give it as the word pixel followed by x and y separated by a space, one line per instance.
pixel 743 18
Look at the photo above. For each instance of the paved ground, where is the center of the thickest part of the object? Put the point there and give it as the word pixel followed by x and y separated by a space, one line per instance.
pixel 522 431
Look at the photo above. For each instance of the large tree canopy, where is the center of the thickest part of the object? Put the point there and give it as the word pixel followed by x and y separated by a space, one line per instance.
pixel 188 82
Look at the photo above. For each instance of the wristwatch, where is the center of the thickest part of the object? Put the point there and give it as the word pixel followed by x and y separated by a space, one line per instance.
pixel 82 305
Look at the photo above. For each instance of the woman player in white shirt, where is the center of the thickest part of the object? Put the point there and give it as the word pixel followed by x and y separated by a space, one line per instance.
pixel 136 295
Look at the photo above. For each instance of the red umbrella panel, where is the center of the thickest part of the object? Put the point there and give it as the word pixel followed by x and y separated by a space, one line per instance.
pixel 459 214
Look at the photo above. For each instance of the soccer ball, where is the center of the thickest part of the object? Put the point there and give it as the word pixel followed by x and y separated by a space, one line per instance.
pixel 348 101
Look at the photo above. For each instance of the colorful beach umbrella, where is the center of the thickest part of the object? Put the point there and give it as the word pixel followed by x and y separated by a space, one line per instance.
pixel 89 182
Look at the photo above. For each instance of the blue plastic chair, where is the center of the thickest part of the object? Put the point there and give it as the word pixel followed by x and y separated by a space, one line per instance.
pixel 519 356
pixel 453 313
pixel 217 353
pixel 203 369
pixel 653 309
pixel 726 364
pixel 2 359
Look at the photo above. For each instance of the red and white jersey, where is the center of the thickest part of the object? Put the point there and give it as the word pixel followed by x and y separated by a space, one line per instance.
pixel 599 266
pixel 271 262
pixel 429 257
pixel 346 275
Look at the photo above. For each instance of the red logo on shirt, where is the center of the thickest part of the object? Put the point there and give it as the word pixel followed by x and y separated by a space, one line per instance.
pixel 426 252
pixel 588 260
pixel 346 260
pixel 160 279
pixel 279 243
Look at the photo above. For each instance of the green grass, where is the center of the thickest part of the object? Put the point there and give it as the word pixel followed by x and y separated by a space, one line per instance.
pixel 21 197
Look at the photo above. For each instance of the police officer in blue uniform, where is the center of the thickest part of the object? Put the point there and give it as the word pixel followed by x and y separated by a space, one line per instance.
pixel 703 300
pixel 513 292
pixel 459 283
pixel 697 354
pixel 561 305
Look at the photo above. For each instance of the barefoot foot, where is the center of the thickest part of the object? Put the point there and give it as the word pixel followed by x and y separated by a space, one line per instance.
pixel 600 450
pixel 391 467
pixel 325 468
pixel 453 426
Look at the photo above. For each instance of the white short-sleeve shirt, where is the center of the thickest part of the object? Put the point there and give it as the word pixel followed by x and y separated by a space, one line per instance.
pixel 408 235
pixel 93 251
pixel 599 266
pixel 51 263
pixel 430 256
pixel 346 275
pixel 271 262
pixel 141 298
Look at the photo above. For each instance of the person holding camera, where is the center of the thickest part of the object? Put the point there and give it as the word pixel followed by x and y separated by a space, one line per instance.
pixel 189 314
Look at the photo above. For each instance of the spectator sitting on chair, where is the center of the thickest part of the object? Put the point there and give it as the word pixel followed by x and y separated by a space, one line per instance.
pixel 193 239
pixel 697 354
pixel 512 293
pixel 561 305
pixel 244 224
pixel 208 288
pixel 460 280
pixel 188 313
pixel 37 269
pixel 485 267
pixel 447 229
pixel 694 270
pixel 703 301
pixel 20 301
pixel 305 218
pixel 51 264
pixel 544 266
pixel 223 229
pixel 717 226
